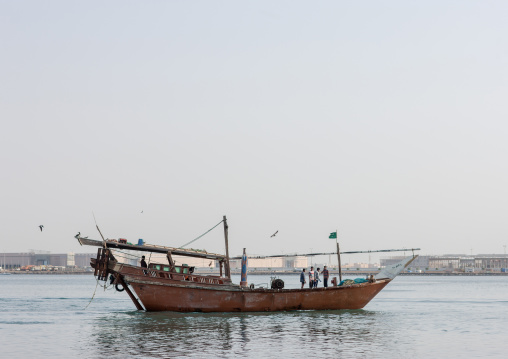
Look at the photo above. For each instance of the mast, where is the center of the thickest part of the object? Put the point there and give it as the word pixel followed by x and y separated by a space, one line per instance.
pixel 338 257
pixel 227 269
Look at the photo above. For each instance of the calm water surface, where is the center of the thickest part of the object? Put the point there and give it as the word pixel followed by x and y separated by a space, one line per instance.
pixel 442 317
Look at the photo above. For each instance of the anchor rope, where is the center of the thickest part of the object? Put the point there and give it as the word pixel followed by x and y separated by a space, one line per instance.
pixel 92 295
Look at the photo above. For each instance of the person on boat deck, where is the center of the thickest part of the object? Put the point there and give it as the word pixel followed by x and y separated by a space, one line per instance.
pixel 316 278
pixel 325 277
pixel 302 277
pixel 143 263
pixel 311 278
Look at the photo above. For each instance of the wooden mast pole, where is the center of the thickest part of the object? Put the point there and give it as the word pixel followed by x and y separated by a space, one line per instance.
pixel 338 255
pixel 227 269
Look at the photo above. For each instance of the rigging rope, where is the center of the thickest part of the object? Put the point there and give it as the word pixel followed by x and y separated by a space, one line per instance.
pixel 200 235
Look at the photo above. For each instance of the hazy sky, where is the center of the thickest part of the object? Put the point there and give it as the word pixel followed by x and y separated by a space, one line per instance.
pixel 387 120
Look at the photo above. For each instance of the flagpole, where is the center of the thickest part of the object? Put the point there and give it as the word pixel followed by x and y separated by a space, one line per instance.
pixel 338 254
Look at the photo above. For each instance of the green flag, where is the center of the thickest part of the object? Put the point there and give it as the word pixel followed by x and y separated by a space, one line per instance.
pixel 333 235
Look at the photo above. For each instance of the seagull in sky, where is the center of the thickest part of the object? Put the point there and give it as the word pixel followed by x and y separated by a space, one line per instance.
pixel 41 227
pixel 273 235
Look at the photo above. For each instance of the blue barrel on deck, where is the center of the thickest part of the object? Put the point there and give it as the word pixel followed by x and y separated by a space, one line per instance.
pixel 141 242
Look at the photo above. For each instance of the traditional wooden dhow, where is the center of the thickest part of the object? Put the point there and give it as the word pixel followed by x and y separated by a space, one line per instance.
pixel 171 287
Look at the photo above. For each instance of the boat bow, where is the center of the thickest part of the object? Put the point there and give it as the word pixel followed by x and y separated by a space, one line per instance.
pixel 392 271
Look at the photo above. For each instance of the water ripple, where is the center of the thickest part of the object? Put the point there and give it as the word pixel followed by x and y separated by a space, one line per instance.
pixel 413 317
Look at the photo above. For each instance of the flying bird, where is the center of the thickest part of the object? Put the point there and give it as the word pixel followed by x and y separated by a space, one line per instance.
pixel 41 227
pixel 273 235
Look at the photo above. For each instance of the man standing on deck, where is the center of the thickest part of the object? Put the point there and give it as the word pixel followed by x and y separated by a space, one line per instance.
pixel 325 276
pixel 311 278
pixel 302 277
pixel 143 263
pixel 316 278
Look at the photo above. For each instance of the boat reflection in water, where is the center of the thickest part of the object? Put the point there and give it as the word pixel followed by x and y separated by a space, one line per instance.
pixel 260 335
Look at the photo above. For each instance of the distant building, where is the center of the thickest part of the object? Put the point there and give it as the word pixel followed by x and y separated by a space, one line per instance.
pixel 358 265
pixel 296 262
pixel 82 260
pixel 421 262
pixel 36 258
pixel 462 262
pixel 450 262
pixel 454 262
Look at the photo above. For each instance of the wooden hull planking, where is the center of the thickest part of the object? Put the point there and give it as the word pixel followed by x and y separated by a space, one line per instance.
pixel 155 295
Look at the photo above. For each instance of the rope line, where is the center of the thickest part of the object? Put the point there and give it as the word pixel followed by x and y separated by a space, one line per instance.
pixel 92 295
pixel 186 244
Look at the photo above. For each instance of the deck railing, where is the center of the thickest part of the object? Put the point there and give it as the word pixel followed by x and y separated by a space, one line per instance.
pixel 187 277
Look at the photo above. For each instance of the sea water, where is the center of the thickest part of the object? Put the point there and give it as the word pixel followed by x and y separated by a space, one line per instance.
pixel 46 316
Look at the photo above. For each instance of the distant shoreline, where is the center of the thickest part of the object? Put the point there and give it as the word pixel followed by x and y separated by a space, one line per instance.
pixel 332 274
pixel 353 274
pixel 44 272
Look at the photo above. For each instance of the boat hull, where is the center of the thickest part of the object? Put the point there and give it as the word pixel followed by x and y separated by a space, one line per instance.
pixel 158 296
